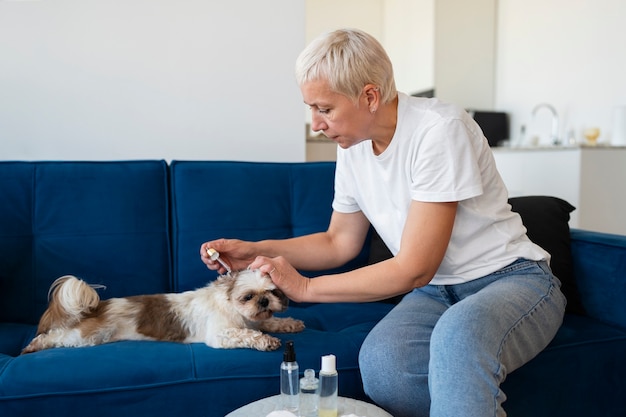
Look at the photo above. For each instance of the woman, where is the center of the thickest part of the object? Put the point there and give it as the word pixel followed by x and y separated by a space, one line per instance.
pixel 481 299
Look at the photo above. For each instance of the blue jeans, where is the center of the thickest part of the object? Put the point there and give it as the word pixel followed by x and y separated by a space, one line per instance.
pixel 443 351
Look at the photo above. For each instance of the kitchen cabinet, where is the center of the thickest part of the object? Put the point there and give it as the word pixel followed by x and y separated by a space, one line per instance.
pixel 591 178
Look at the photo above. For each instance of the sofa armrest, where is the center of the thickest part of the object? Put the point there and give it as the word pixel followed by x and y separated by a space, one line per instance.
pixel 600 272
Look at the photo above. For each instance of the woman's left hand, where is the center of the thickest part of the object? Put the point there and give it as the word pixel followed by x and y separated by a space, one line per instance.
pixel 285 276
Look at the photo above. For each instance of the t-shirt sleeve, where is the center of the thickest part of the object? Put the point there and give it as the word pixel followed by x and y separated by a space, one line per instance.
pixel 445 165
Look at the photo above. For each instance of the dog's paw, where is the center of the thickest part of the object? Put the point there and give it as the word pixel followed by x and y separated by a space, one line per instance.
pixel 34 346
pixel 282 325
pixel 246 338
pixel 289 325
pixel 266 343
pixel 28 349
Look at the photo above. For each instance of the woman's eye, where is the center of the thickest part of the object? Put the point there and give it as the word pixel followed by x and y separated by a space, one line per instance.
pixel 319 110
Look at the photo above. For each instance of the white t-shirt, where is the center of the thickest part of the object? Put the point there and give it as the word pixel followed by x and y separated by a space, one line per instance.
pixel 437 154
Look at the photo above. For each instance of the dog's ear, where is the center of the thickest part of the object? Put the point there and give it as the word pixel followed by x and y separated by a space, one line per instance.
pixel 284 300
pixel 227 282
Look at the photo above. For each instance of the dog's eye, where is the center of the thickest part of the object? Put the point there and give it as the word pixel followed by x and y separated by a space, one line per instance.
pixel 247 297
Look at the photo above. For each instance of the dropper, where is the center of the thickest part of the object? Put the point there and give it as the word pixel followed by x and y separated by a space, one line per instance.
pixel 215 256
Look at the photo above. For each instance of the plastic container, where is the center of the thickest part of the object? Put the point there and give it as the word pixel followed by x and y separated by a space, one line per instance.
pixel 329 382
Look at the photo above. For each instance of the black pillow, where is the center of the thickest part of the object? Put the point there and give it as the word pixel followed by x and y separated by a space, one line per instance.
pixel 547 222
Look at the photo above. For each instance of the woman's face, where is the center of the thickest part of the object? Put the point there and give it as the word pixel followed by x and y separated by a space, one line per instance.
pixel 335 115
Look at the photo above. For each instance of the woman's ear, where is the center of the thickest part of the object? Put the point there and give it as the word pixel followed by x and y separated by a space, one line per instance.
pixel 372 97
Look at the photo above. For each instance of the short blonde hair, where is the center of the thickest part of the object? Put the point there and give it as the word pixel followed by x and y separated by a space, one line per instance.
pixel 348 59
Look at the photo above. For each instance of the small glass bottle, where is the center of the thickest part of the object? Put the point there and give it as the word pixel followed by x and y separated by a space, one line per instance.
pixel 328 387
pixel 309 386
pixel 289 380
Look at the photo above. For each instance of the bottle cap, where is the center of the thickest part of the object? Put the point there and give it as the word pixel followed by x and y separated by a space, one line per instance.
pixel 329 364
pixel 309 374
pixel 213 254
pixel 290 354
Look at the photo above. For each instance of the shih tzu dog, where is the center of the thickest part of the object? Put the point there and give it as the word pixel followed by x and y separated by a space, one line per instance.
pixel 230 312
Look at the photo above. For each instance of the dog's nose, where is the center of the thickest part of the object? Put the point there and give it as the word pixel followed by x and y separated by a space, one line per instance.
pixel 264 302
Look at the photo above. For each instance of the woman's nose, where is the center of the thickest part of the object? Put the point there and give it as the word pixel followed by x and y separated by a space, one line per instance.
pixel 317 122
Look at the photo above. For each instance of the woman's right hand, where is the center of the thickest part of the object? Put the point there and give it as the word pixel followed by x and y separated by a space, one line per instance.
pixel 235 253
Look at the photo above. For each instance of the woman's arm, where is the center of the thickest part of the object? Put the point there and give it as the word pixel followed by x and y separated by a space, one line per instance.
pixel 424 242
pixel 341 243
pixel 330 249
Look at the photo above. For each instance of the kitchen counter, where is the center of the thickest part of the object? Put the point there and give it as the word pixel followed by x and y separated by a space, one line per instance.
pixel 592 178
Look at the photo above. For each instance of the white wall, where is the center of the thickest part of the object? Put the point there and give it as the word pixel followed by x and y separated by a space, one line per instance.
pixel 408 36
pixel 106 79
pixel 327 15
pixel 172 79
pixel 404 27
pixel 569 53
pixel 465 36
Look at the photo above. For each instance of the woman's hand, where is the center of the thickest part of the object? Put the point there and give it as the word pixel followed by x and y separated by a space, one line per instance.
pixel 284 275
pixel 237 254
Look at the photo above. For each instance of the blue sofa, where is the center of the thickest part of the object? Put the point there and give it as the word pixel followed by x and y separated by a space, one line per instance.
pixel 136 227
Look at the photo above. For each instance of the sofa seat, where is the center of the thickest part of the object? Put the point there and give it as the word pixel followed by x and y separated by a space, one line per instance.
pixel 581 373
pixel 171 378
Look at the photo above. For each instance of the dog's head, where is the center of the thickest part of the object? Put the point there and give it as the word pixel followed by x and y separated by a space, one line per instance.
pixel 254 295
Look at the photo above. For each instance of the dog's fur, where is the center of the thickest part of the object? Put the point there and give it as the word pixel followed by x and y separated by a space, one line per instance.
pixel 231 312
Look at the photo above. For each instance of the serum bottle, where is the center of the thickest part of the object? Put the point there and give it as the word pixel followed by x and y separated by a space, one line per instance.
pixel 328 387
pixel 309 386
pixel 289 380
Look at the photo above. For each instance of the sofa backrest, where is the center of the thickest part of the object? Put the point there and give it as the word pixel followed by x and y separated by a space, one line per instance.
pixel 106 222
pixel 243 200
pixel 137 226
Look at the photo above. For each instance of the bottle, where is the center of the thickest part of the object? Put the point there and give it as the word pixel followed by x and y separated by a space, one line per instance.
pixel 328 387
pixel 309 386
pixel 289 380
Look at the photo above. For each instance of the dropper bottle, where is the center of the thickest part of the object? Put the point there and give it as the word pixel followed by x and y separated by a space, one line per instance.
pixel 309 394
pixel 215 256
pixel 328 387
pixel 289 380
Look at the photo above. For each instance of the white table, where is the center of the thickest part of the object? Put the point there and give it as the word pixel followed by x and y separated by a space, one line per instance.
pixel 262 408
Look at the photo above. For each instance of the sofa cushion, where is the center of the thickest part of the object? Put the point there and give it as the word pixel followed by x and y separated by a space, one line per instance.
pixel 103 221
pixel 244 200
pixel 547 223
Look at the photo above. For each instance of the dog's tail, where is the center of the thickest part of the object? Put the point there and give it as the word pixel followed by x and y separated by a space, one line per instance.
pixel 70 299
